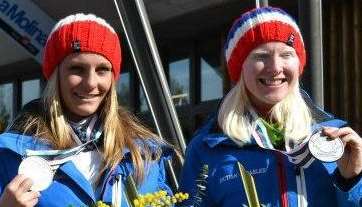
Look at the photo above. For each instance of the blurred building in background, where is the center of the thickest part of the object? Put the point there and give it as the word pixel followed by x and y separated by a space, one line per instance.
pixel 190 35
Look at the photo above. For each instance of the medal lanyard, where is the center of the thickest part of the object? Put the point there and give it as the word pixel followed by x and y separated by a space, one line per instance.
pixel 61 156
pixel 62 153
pixel 88 131
pixel 66 153
pixel 298 155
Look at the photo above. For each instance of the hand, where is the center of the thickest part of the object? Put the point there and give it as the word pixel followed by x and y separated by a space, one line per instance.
pixel 17 193
pixel 350 165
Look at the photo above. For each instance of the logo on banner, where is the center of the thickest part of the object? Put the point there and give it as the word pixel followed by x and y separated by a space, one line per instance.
pixel 20 18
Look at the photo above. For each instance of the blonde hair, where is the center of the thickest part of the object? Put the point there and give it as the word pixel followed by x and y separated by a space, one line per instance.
pixel 120 128
pixel 237 117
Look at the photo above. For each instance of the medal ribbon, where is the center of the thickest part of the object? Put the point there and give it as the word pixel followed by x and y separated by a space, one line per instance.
pixel 85 129
pixel 58 157
pixel 299 155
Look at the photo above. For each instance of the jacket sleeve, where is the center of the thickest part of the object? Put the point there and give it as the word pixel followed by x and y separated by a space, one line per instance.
pixel 349 193
pixel 8 168
pixel 189 173
pixel 9 164
pixel 2 175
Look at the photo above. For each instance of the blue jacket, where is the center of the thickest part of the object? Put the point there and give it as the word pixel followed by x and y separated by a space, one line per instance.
pixel 278 181
pixel 69 186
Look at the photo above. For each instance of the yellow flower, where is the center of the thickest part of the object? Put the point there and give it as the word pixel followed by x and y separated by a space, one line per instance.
pixel 159 199
pixel 101 204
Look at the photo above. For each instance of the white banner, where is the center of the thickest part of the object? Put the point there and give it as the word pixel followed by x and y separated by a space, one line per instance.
pixel 27 24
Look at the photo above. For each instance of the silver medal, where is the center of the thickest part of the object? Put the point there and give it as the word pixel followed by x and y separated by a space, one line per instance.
pixel 38 170
pixel 325 149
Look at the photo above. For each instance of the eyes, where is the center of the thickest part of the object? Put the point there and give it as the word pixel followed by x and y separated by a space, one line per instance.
pixel 265 55
pixel 80 69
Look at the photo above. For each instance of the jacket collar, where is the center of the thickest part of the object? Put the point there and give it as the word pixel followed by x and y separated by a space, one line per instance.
pixel 212 136
pixel 213 140
pixel 20 143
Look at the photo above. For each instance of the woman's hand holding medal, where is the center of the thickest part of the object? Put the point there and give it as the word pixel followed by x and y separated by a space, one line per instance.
pixel 350 164
pixel 18 194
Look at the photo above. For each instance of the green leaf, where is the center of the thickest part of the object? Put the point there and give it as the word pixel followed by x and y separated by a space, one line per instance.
pixel 131 190
pixel 249 186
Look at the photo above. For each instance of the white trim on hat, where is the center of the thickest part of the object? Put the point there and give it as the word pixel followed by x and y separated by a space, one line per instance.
pixel 252 22
pixel 79 18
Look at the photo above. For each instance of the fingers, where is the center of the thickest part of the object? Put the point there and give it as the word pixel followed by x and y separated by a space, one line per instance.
pixel 17 193
pixel 25 185
pixel 338 132
pixel 346 134
pixel 31 198
pixel 20 184
pixel 33 202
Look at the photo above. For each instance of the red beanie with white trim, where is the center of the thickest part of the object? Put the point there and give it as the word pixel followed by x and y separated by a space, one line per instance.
pixel 256 27
pixel 81 33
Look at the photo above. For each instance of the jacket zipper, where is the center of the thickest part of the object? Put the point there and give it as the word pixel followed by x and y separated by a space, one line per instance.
pixel 301 188
pixel 282 181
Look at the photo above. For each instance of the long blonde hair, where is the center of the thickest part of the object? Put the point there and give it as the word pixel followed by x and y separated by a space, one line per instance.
pixel 120 128
pixel 237 116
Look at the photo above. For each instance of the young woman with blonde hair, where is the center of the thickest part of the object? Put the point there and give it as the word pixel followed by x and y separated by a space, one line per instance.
pixel 77 129
pixel 298 154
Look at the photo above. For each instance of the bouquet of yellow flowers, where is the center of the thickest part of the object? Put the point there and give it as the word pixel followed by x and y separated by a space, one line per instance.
pixel 101 204
pixel 156 199
pixel 159 199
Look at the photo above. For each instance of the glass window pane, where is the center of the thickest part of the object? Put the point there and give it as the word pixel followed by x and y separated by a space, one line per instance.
pixel 6 105
pixel 30 90
pixel 211 74
pixel 211 81
pixel 179 81
pixel 123 90
pixel 143 101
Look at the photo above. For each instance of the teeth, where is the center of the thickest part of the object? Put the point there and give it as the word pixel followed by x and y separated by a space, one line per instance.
pixel 86 97
pixel 272 82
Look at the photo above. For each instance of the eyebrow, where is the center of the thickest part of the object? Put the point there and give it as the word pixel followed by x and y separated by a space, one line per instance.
pixel 256 52
pixel 105 64
pixel 288 50
pixel 85 64
pixel 260 52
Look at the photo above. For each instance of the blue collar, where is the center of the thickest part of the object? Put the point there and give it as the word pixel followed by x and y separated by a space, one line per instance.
pixel 19 143
pixel 215 139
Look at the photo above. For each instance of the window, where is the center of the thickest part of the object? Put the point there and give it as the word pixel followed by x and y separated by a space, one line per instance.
pixel 179 80
pixel 211 74
pixel 6 105
pixel 30 91
pixel 123 90
pixel 143 101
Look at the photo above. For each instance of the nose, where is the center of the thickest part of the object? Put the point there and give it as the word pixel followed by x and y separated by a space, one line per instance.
pixel 275 65
pixel 90 81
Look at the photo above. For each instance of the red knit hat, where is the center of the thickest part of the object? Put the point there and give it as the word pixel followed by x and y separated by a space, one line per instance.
pixel 81 33
pixel 256 27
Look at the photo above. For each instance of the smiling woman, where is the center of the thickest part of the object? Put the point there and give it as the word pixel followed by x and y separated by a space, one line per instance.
pixel 85 81
pixel 270 73
pixel 265 123
pixel 77 134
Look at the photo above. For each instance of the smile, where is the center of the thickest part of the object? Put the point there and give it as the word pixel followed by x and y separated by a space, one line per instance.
pixel 272 82
pixel 88 96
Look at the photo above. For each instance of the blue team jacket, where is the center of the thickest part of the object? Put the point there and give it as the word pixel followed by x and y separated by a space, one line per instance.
pixel 69 186
pixel 276 178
